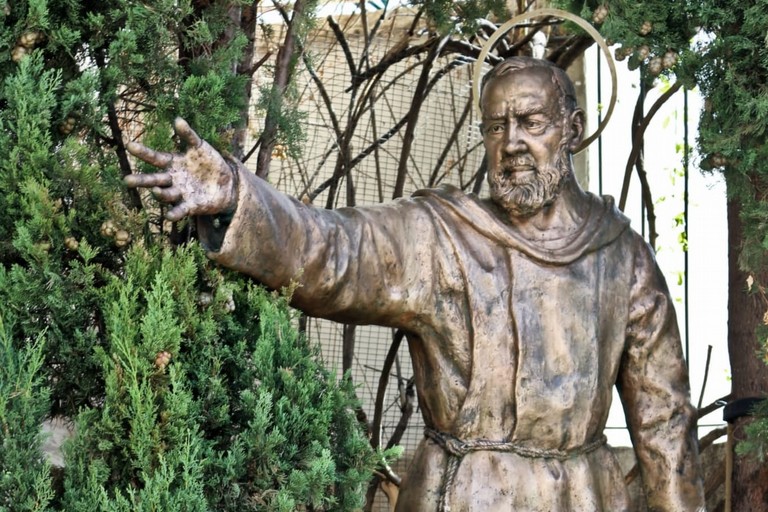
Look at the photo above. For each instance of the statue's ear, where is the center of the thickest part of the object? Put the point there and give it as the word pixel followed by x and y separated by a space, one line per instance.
pixel 577 122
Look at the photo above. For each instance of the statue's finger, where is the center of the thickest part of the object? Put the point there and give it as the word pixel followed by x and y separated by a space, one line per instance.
pixel 167 194
pixel 159 179
pixel 178 212
pixel 156 158
pixel 186 133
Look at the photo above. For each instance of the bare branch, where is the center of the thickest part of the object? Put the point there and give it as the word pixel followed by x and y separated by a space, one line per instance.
pixel 389 60
pixel 709 439
pixel 717 404
pixel 323 94
pixel 341 38
pixel 463 159
pixel 706 376
pixel 376 158
pixel 381 392
pixel 333 180
pixel 117 134
pixel 480 176
pixel 645 189
pixel 381 140
pixel 348 346
pixel 413 115
pixel 571 50
pixel 406 408
pixel 467 49
pixel 451 140
pixel 636 146
pixel 515 47
pixel 371 35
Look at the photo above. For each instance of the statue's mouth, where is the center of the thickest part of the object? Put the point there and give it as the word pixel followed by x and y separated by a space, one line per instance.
pixel 516 173
pixel 518 169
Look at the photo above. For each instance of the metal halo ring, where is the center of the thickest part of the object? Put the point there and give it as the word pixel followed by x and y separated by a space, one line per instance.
pixel 503 29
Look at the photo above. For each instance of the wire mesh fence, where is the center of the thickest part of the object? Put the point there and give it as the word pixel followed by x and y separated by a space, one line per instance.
pixel 446 149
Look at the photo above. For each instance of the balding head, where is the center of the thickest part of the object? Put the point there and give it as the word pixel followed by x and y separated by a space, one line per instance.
pixel 561 80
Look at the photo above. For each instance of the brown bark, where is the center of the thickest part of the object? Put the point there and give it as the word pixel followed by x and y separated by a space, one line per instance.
pixel 284 67
pixel 348 347
pixel 117 134
pixel 247 21
pixel 413 117
pixel 749 373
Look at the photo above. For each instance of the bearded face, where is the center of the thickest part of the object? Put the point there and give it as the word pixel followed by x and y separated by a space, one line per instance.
pixel 527 140
pixel 523 196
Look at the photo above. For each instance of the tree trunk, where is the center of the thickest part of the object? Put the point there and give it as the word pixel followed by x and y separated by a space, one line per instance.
pixel 749 373
pixel 241 18
pixel 284 68
pixel 247 19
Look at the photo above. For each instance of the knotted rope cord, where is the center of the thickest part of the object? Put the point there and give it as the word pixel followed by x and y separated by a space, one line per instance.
pixel 457 448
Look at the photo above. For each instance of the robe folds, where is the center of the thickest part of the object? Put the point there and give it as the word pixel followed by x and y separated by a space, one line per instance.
pixel 512 340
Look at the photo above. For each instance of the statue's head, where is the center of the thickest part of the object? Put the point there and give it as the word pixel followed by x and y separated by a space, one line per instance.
pixel 531 126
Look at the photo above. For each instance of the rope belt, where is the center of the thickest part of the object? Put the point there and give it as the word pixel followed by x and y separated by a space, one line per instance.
pixel 457 448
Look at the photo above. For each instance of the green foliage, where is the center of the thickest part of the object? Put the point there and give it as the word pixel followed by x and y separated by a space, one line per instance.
pixel 141 449
pixel 654 35
pixel 189 387
pixel 48 196
pixel 722 50
pixel 755 443
pixel 461 17
pixel 205 101
pixel 25 482
pixel 213 401
pixel 290 118
pixel 733 74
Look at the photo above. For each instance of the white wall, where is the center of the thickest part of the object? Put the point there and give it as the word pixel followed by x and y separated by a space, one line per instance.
pixel 707 237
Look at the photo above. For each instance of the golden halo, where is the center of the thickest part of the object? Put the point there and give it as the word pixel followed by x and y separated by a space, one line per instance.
pixel 503 29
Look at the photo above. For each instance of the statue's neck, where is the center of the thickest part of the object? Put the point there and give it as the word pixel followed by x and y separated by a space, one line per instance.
pixel 561 220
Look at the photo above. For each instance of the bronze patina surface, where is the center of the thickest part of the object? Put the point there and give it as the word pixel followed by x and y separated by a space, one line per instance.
pixel 523 310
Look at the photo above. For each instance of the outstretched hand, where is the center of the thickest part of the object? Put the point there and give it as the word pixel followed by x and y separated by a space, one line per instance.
pixel 198 182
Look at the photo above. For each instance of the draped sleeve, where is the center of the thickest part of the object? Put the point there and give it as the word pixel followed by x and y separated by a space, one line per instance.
pixel 653 385
pixel 363 265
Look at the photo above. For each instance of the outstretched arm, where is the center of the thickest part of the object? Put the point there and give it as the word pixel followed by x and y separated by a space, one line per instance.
pixel 367 265
pixel 198 182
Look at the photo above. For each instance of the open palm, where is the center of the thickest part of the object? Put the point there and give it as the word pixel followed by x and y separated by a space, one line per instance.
pixel 198 182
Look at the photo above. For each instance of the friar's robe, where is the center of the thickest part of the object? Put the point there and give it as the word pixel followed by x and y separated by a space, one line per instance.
pixel 512 340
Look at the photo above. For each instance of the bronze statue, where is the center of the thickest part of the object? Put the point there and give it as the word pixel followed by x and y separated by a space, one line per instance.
pixel 522 310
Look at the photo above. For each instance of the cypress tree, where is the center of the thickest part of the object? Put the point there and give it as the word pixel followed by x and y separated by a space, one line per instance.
pixel 187 386
pixel 25 481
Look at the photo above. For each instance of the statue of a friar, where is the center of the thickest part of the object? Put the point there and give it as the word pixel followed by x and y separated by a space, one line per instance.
pixel 522 311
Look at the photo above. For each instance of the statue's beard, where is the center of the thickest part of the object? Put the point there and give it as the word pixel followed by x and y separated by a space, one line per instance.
pixel 525 197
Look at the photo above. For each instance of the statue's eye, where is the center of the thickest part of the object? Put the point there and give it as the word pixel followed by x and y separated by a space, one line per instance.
pixel 535 125
pixel 496 128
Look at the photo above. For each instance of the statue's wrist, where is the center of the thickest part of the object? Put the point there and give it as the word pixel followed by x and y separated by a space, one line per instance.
pixel 212 229
pixel 234 191
pixel 221 221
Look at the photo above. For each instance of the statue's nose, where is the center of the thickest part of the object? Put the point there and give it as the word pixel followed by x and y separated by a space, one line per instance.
pixel 513 141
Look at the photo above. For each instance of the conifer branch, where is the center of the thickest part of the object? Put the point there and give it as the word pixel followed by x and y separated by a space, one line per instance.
pixel 283 72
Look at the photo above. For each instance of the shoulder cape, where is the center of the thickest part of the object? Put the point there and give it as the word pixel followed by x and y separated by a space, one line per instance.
pixel 603 225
